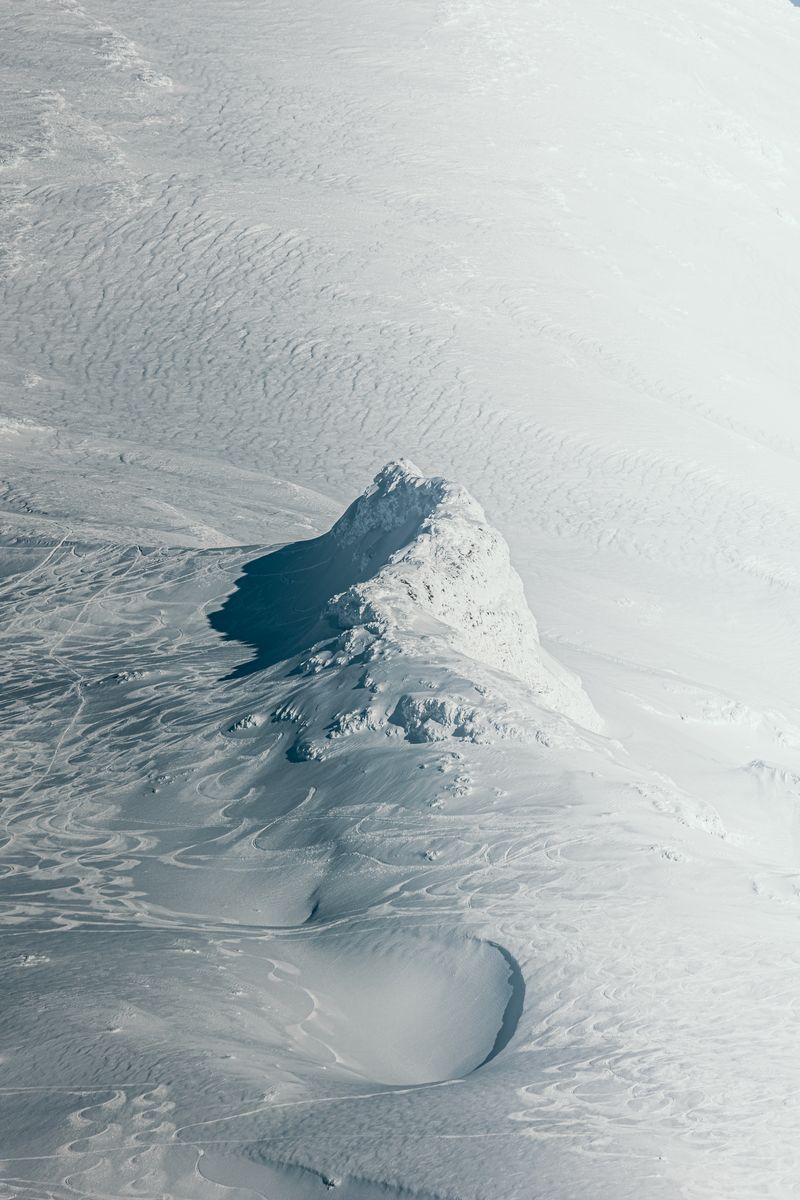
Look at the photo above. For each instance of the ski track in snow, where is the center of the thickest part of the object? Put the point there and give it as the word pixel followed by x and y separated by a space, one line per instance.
pixel 551 252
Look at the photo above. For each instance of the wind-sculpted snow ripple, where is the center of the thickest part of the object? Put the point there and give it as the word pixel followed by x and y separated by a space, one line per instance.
pixel 213 244
pixel 551 251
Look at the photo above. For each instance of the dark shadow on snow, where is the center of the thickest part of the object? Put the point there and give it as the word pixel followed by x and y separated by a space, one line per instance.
pixel 513 1009
pixel 278 605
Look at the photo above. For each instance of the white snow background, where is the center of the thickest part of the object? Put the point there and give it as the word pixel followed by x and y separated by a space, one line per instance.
pixel 434 837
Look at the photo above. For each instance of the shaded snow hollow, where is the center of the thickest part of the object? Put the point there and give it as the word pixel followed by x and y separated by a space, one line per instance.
pixel 413 573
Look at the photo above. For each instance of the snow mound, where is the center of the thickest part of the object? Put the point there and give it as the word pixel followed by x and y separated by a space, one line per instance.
pixel 444 573
pixel 412 574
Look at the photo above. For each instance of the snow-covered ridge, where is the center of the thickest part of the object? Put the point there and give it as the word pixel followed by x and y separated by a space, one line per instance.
pixel 410 604
pixel 445 575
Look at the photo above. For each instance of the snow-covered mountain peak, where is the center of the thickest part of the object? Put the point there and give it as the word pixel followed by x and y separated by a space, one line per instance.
pixel 394 511
pixel 436 569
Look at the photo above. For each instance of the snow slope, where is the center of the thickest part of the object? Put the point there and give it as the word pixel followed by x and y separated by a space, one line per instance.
pixel 379 913
pixel 320 865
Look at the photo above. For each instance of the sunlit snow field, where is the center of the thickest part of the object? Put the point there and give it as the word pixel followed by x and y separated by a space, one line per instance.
pixel 332 863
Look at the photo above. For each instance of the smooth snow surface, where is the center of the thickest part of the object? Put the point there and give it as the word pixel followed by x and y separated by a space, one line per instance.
pixel 340 855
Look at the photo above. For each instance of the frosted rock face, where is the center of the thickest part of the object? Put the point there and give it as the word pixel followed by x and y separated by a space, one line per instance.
pixel 435 569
